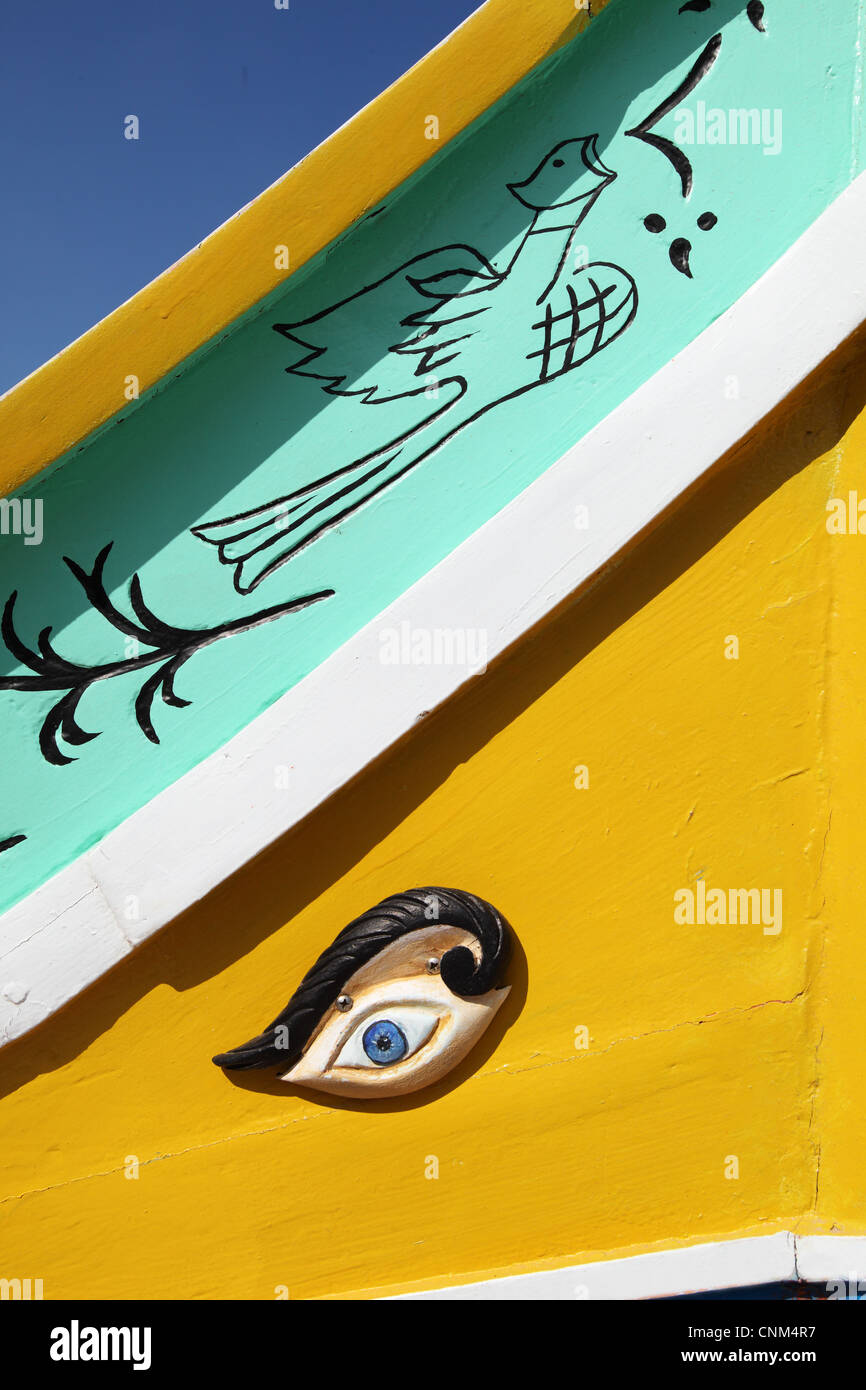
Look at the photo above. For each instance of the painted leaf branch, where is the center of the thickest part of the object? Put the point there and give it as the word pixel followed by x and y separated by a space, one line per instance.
pixel 170 648
pixel 644 129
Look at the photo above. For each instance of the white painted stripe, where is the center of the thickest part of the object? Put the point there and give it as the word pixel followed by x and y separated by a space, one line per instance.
pixel 832 1257
pixel 54 944
pixel 503 580
pixel 718 1265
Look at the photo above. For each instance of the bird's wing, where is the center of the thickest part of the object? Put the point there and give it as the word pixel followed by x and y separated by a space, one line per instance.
pixel 366 345
pixel 581 316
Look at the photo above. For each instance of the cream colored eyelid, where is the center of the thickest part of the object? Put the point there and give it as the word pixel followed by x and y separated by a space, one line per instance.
pixel 464 1019
pixel 424 991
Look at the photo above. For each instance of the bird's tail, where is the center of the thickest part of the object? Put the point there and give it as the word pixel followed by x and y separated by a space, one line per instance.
pixel 246 541
pixel 256 543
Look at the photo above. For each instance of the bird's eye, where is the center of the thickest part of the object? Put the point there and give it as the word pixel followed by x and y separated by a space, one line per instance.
pixel 388 1039
pixel 558 163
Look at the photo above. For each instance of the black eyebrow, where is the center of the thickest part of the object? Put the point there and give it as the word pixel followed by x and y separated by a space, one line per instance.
pixel 283 1041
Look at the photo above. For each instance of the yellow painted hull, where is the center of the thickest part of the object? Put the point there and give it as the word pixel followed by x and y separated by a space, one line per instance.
pixel 134 1168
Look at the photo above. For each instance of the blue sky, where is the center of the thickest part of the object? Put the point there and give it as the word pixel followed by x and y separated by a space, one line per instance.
pixel 229 94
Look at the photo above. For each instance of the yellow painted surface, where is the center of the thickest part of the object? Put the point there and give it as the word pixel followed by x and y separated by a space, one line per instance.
pixel 201 295
pixel 839 1007
pixel 704 1041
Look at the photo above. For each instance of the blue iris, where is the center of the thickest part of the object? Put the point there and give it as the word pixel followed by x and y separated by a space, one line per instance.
pixel 384 1042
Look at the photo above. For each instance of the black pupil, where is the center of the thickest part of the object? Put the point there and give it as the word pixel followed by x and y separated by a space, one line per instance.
pixel 383 1043
pixel 558 163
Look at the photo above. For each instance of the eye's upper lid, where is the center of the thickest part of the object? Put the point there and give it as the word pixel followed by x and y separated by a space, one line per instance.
pixel 388 997
pixel 403 959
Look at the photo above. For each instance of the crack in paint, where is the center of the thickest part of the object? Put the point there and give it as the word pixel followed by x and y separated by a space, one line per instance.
pixel 655 1032
pixel 158 1158
pixel 506 1069
pixel 855 165
pixel 816 1142
pixel 792 598
pixel 819 888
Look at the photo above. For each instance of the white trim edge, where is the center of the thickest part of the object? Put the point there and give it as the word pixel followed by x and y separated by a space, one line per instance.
pixel 724 1264
pixel 626 471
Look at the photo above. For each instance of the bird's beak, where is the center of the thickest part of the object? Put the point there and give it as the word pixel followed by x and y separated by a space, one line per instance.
pixel 593 161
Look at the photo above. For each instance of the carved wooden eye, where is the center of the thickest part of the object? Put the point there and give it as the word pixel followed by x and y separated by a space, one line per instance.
pixel 396 1024
pixel 406 1031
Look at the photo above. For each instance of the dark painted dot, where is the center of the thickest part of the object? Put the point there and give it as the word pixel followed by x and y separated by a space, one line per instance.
pixel 707 221
pixel 655 222
pixel 755 11
pixel 698 5
pixel 679 253
pixel 558 163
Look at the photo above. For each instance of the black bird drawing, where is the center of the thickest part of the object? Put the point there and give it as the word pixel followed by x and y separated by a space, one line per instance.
pixel 480 345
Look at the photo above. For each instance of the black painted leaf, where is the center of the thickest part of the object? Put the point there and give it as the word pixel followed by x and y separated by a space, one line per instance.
pixel 61 720
pixel 94 587
pixel 70 728
pixel 170 671
pixel 162 680
pixel 13 642
pixel 53 664
pixel 164 633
